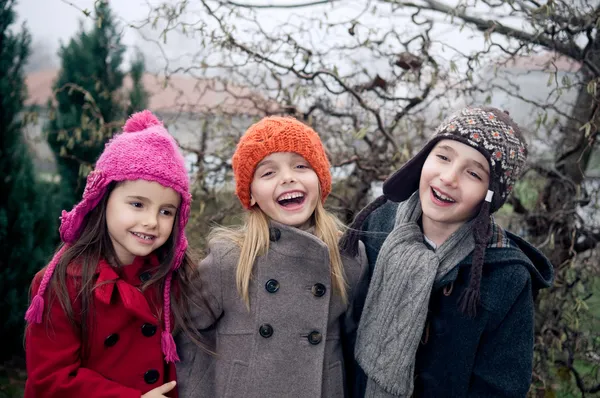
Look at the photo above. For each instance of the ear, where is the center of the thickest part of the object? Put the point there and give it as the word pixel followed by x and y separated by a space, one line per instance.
pixel 252 201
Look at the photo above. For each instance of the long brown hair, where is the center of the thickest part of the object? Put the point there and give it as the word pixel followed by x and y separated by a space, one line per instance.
pixel 95 244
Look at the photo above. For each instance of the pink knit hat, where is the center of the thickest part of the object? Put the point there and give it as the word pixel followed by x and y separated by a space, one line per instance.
pixel 145 150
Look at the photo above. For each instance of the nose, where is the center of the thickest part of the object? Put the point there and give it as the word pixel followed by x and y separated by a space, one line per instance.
pixel 449 177
pixel 287 176
pixel 150 219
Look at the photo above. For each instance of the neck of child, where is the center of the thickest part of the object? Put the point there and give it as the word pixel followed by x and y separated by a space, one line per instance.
pixel 438 232
pixel 306 226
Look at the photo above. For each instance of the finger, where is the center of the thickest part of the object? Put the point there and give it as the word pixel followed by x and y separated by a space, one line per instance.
pixel 165 388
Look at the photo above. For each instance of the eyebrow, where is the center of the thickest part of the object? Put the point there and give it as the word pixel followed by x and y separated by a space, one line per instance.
pixel 472 161
pixel 144 199
pixel 479 166
pixel 264 163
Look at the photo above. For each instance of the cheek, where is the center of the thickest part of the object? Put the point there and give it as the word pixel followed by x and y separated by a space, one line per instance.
pixel 168 224
pixel 476 193
pixel 258 188
pixel 314 184
pixel 427 173
pixel 113 216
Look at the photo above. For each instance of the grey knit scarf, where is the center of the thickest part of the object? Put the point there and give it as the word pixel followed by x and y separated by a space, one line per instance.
pixel 396 308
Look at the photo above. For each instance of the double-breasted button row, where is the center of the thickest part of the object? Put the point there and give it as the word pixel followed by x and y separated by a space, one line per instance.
pixel 314 337
pixel 318 289
pixel 148 330
pixel 265 330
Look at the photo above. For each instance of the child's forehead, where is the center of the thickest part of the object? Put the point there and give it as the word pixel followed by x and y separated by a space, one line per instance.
pixel 147 189
pixel 277 157
pixel 462 150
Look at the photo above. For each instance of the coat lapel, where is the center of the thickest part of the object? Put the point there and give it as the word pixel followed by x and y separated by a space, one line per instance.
pixel 132 299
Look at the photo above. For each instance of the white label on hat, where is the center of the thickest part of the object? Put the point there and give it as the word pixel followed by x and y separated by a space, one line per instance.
pixel 488 197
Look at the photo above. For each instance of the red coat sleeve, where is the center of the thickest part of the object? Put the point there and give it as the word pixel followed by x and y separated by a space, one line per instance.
pixel 52 350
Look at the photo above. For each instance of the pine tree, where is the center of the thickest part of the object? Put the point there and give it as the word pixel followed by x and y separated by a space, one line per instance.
pixel 138 96
pixel 27 221
pixel 88 107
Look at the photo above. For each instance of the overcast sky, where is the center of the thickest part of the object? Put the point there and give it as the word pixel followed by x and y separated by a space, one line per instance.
pixel 51 21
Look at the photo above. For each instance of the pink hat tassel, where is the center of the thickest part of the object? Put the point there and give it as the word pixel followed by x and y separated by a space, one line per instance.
pixel 167 342
pixel 36 308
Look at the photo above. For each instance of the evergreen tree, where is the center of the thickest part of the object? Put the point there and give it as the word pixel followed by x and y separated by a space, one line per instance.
pixel 138 96
pixel 27 222
pixel 88 107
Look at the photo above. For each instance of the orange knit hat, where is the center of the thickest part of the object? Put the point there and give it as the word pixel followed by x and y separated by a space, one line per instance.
pixel 278 134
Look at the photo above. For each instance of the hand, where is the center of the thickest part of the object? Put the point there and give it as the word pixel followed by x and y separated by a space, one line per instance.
pixel 159 392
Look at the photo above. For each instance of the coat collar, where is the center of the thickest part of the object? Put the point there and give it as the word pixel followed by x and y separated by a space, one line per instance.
pixel 295 242
pixel 126 284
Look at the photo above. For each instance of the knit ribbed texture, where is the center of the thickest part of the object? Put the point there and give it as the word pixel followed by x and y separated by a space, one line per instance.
pixel 144 151
pixel 397 303
pixel 278 134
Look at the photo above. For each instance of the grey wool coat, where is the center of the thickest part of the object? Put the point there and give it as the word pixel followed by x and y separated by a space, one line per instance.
pixel 292 342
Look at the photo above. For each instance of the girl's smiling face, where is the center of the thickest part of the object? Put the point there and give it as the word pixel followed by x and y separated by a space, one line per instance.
pixel 454 182
pixel 286 189
pixel 139 217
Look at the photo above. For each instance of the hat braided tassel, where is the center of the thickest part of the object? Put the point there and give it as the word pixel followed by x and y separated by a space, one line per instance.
pixel 36 308
pixel 167 343
pixel 470 297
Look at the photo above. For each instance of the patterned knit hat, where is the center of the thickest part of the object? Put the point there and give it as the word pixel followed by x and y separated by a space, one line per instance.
pixel 278 134
pixel 498 138
pixel 145 150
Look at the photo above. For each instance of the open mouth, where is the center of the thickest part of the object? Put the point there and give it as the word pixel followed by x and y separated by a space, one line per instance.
pixel 291 199
pixel 441 197
pixel 144 237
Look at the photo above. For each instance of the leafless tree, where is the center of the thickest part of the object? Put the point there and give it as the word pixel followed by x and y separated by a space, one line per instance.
pixel 374 78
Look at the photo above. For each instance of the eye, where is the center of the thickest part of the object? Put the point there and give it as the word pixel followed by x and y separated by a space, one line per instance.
pixel 138 205
pixel 166 212
pixel 442 157
pixel 266 173
pixel 302 166
pixel 473 174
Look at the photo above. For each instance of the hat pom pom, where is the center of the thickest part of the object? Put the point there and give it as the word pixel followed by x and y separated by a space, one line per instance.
pixel 34 313
pixel 141 121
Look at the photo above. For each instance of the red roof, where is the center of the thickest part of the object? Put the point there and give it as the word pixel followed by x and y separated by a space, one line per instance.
pixel 174 94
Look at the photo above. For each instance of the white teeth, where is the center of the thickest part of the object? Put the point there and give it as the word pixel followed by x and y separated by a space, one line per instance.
pixel 291 195
pixel 145 237
pixel 442 196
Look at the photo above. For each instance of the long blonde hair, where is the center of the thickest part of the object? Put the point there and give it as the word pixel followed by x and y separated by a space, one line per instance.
pixel 253 239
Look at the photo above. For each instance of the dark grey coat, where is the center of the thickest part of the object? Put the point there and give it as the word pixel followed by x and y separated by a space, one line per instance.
pixel 290 342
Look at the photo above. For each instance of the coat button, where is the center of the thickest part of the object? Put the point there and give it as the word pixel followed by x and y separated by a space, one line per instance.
pixel 111 340
pixel 274 234
pixel 319 289
pixel 145 276
pixel 266 330
pixel 148 329
pixel 315 337
pixel 151 376
pixel 272 286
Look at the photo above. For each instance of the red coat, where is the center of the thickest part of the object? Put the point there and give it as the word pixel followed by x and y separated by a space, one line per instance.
pixel 125 357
